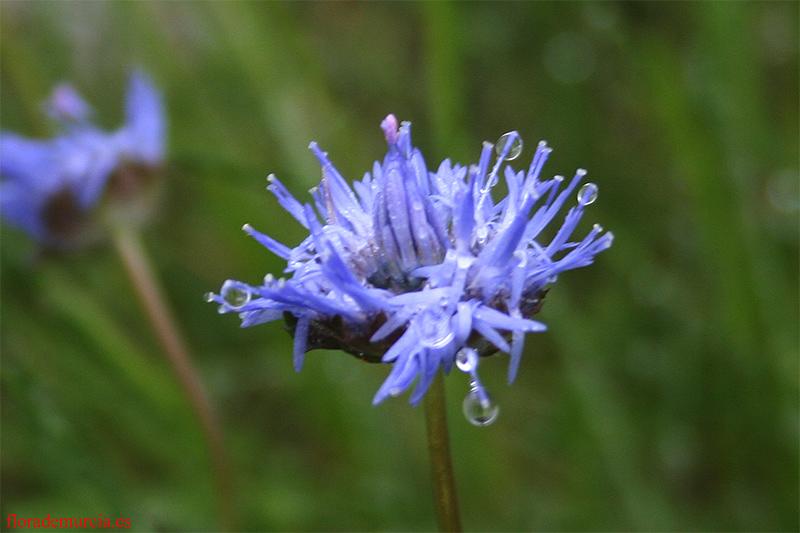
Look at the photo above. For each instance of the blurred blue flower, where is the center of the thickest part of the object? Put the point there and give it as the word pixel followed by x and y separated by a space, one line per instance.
pixel 420 269
pixel 50 188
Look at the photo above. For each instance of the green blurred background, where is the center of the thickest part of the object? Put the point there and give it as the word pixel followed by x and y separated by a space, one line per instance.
pixel 663 397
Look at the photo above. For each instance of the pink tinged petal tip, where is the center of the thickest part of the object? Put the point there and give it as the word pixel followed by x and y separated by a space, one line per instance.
pixel 390 129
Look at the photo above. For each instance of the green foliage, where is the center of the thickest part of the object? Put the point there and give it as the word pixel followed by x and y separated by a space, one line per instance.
pixel 664 396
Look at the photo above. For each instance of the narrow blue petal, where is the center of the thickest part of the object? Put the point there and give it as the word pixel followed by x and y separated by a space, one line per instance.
pixel 67 106
pixel 396 321
pixel 22 208
pixel 517 344
pixel 483 167
pixel 464 218
pixel 430 366
pixel 405 369
pixel 146 120
pixel 300 340
pixel 34 163
pixel 462 322
pixel 279 249
pixel 406 342
pixel 426 242
pixel 500 320
pixel 338 272
pixel 419 171
pixel 490 334
pixel 390 259
pixel 287 201
pixel 397 211
pixel 539 159
pixel 500 249
pixel 253 318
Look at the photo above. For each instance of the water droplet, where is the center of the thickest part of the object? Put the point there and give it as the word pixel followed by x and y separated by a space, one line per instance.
pixel 587 194
pixel 436 335
pixel 463 262
pixel 516 145
pixel 481 235
pixel 480 412
pixel 433 328
pixel 209 297
pixel 467 359
pixel 235 297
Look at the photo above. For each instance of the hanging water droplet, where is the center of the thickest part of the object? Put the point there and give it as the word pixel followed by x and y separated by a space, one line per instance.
pixel 516 145
pixel 480 412
pixel 235 297
pixel 587 194
pixel 208 297
pixel 467 359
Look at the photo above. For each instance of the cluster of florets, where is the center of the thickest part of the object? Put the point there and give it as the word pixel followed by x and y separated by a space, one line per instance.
pixel 420 269
pixel 50 188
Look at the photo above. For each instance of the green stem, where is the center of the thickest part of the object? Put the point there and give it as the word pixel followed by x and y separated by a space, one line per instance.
pixel 444 483
pixel 139 270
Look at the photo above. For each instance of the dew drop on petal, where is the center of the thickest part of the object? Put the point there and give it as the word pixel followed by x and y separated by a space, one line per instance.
pixel 208 297
pixel 587 194
pixel 434 330
pixel 516 145
pixel 439 339
pixel 235 297
pixel 467 359
pixel 481 235
pixel 480 412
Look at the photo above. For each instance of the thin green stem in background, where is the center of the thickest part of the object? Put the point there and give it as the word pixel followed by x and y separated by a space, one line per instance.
pixel 137 264
pixel 444 483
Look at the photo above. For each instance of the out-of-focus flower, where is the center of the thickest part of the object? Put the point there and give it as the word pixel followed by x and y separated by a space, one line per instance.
pixel 420 269
pixel 51 188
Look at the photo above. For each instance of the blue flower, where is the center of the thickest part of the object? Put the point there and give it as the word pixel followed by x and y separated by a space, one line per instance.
pixel 50 188
pixel 420 269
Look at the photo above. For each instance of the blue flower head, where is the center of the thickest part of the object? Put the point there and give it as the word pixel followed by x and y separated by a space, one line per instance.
pixel 420 269
pixel 51 188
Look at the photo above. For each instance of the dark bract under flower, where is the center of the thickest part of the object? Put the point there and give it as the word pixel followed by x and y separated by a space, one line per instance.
pixel 420 269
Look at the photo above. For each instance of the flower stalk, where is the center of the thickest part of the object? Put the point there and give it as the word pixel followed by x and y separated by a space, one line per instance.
pixel 445 498
pixel 137 264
